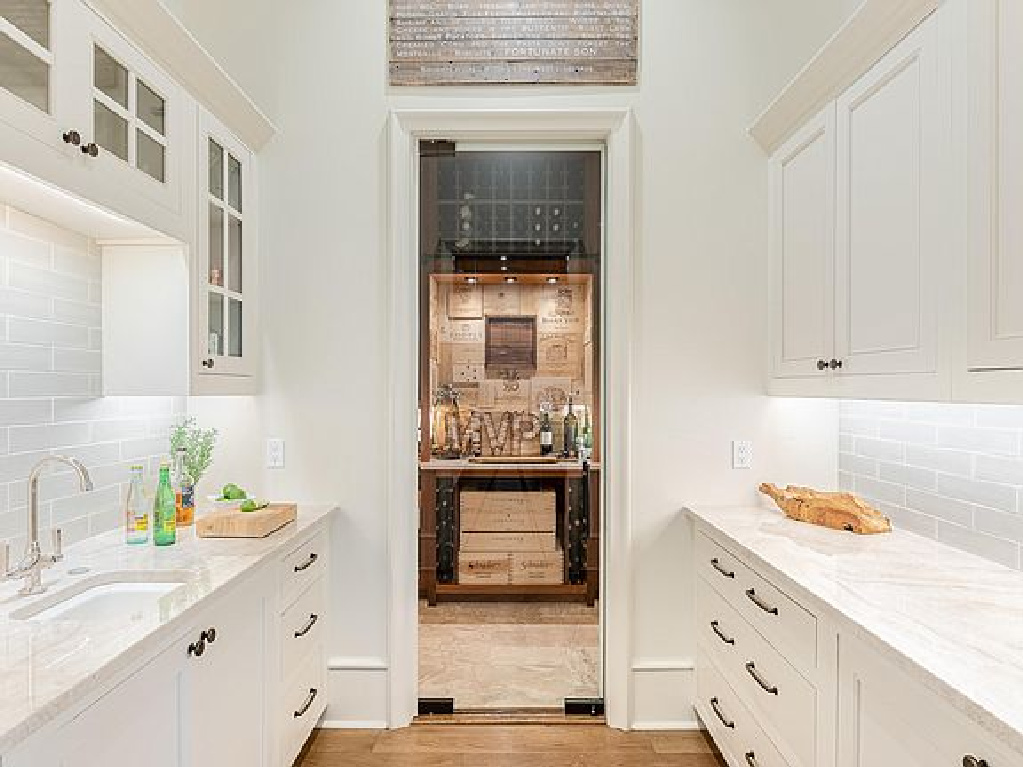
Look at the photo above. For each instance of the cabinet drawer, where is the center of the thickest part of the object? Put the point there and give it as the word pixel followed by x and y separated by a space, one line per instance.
pixel 303 701
pixel 302 566
pixel 782 700
pixel 784 623
pixel 302 628
pixel 734 729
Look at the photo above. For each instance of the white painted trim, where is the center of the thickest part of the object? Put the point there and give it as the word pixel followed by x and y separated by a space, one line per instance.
pixel 663 664
pixel 164 39
pixel 688 725
pixel 869 34
pixel 344 724
pixel 615 128
pixel 357 663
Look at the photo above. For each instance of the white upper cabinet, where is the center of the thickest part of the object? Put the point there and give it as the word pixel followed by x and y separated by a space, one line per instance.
pixel 802 193
pixel 891 127
pixel 83 110
pixel 860 234
pixel 996 185
pixel 226 275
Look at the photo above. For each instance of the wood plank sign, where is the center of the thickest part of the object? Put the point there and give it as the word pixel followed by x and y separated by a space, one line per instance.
pixel 514 42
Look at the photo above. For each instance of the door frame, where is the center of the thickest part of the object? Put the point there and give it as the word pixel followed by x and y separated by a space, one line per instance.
pixel 616 129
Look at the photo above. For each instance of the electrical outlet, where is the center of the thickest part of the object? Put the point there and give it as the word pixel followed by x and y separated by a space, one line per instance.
pixel 275 453
pixel 742 454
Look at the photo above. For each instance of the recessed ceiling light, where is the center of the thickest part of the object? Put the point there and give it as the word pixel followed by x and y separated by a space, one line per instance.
pixel 504 258
pixel 552 280
pixel 504 268
pixel 510 279
pixel 471 280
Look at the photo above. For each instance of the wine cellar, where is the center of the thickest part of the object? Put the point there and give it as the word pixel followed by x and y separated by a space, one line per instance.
pixel 510 417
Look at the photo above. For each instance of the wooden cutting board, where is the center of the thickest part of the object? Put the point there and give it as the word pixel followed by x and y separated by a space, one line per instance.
pixel 232 523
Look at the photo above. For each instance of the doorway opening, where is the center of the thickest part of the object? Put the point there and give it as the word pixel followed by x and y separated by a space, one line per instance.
pixel 511 418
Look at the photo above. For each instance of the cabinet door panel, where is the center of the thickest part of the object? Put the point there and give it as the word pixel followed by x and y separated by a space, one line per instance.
pixel 226 685
pixel 890 138
pixel 802 184
pixel 888 718
pixel 996 185
pixel 136 722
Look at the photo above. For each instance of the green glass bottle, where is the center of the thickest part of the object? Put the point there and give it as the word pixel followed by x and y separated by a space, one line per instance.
pixel 164 510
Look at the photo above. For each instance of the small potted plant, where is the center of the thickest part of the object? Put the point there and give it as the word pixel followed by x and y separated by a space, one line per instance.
pixel 195 445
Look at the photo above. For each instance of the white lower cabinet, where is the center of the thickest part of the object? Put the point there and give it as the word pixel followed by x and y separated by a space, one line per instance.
pixel 887 718
pixel 770 693
pixel 242 685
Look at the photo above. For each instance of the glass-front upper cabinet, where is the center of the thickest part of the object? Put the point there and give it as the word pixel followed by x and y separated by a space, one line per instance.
pixel 227 273
pixel 26 51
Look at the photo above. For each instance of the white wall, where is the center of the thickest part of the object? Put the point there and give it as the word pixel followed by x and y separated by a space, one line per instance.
pixel 708 68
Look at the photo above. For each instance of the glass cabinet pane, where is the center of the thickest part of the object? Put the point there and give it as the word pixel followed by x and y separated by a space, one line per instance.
pixel 150 156
pixel 111 131
pixel 234 183
pixel 216 170
pixel 216 246
pixel 215 344
pixel 234 323
pixel 30 16
pixel 110 77
pixel 150 107
pixel 234 254
pixel 23 74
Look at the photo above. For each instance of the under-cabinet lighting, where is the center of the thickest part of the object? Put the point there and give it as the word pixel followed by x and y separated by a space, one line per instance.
pixel 552 280
pixel 471 280
pixel 509 279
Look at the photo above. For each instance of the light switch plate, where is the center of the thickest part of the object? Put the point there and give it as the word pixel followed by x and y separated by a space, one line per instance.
pixel 742 454
pixel 275 453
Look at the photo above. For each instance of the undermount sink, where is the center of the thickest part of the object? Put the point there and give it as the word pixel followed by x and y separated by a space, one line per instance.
pixel 107 596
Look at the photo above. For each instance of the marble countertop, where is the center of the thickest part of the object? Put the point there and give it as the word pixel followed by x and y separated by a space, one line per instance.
pixel 953 620
pixel 48 666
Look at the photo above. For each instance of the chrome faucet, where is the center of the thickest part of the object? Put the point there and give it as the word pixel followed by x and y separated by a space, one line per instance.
pixel 35 561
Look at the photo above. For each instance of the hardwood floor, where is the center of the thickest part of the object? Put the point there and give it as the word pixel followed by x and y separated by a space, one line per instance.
pixel 508 746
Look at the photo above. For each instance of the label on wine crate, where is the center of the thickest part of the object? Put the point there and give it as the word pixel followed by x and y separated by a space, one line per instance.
pixel 471 42
pixel 546 568
pixel 483 568
pixel 508 542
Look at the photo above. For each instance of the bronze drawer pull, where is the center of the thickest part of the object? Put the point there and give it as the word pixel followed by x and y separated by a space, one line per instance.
pixel 716 564
pixel 971 761
pixel 308 626
pixel 308 703
pixel 752 594
pixel 716 627
pixel 714 704
pixel 752 669
pixel 307 564
pixel 751 759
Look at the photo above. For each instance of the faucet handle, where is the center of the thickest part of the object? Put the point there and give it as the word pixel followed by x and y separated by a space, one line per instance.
pixel 58 544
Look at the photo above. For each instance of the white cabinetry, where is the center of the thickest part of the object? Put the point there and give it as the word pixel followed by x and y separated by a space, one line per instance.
pixel 995 125
pixel 802 250
pixel 857 231
pixel 83 110
pixel 885 717
pixel 892 127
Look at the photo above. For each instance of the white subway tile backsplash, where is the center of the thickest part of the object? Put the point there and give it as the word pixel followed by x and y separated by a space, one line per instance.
pixel 29 331
pixel 884 450
pixel 47 282
pixel 18 356
pixel 959 469
pixel 989 441
pixel 50 376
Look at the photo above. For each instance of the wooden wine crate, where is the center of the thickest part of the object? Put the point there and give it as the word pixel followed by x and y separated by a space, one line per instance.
pixel 537 567
pixel 508 542
pixel 503 512
pixel 483 568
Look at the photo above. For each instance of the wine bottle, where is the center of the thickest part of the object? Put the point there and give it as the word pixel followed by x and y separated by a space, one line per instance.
pixel 546 433
pixel 571 447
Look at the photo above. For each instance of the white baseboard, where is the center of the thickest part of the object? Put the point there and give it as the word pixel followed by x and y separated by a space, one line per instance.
pixel 342 724
pixel 677 726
